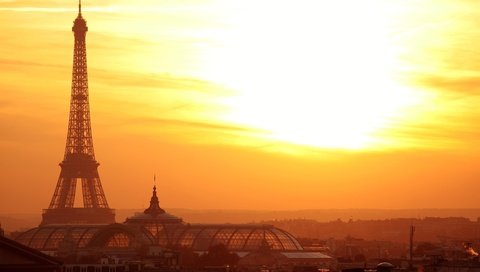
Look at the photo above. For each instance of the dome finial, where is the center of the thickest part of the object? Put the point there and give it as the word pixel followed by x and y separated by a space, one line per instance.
pixel 80 7
pixel 154 207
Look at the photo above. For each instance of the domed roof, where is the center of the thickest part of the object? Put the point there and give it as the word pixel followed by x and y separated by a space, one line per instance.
pixel 155 226
pixel 50 237
pixel 385 267
pixel 153 214
pixel 121 236
pixel 236 237
pixel 160 218
pixel 171 231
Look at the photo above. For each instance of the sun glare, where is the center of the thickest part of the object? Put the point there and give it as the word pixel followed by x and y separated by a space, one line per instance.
pixel 312 73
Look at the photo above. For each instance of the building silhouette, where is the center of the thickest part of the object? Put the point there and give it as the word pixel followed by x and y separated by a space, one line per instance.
pixel 154 226
pixel 17 257
pixel 79 164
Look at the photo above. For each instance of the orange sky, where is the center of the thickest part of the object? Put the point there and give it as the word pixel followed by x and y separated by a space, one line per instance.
pixel 248 105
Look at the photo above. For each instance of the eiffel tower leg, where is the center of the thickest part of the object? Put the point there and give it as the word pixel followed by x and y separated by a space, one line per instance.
pixel 93 195
pixel 64 196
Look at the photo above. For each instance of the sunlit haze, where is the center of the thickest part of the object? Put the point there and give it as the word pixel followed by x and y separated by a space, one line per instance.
pixel 248 104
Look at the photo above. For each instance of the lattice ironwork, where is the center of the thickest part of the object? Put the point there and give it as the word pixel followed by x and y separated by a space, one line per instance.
pixel 79 164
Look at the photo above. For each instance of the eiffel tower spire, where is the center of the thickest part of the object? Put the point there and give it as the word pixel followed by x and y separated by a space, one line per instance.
pixel 79 164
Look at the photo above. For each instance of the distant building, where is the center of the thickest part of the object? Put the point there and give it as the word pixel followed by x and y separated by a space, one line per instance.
pixel 272 260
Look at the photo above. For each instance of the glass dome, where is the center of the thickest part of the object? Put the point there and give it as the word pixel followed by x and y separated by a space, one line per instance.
pixel 156 227
pixel 50 237
pixel 236 237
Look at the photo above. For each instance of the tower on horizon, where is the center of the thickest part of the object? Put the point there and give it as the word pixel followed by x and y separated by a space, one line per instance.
pixel 79 164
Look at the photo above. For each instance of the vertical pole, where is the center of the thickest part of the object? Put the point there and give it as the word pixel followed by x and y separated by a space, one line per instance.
pixel 412 230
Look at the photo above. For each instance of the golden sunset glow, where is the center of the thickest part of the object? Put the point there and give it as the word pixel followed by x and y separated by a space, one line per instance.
pixel 324 90
pixel 300 80
pixel 311 73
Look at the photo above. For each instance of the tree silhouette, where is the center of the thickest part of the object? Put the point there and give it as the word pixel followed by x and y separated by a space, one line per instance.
pixel 188 258
pixel 218 255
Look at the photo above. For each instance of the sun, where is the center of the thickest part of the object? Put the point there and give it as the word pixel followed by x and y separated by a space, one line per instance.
pixel 312 73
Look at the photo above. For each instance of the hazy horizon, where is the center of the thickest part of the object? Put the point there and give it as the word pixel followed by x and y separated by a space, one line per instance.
pixel 17 221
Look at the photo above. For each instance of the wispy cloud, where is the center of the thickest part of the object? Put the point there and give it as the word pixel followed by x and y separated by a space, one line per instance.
pixel 124 7
pixel 227 128
pixel 16 62
pixel 159 81
pixel 459 86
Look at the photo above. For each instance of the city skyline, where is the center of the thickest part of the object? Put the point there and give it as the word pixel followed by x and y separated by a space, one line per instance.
pixel 238 108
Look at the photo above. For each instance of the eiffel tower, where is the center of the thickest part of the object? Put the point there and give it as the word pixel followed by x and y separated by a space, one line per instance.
pixel 79 164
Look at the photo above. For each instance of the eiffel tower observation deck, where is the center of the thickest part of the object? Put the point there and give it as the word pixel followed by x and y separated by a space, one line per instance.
pixel 79 165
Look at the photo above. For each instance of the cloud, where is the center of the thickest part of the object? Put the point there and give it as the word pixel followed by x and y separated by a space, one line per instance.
pixel 197 125
pixel 451 124
pixel 157 81
pixel 461 86
pixel 145 6
pixel 16 62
